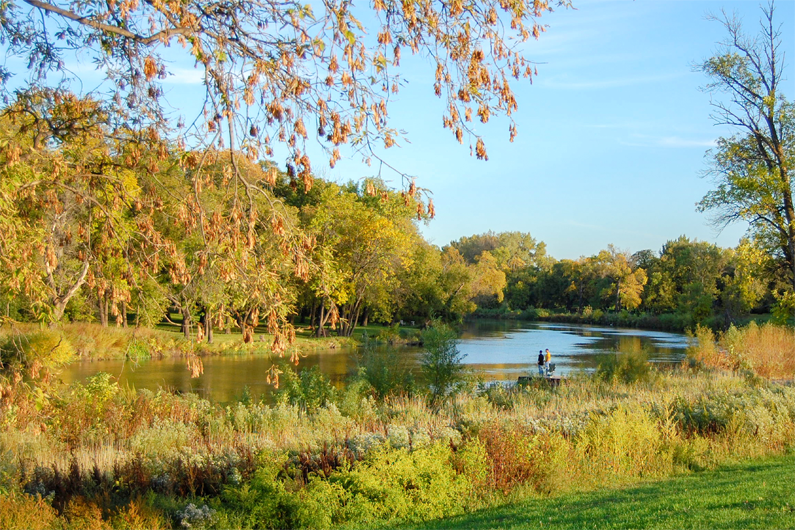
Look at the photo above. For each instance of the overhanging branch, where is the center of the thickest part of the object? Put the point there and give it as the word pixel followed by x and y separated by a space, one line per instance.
pixel 160 36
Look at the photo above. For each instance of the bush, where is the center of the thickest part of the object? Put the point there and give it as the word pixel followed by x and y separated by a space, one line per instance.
pixel 390 335
pixel 401 485
pixel 264 502
pixel 441 361
pixel 625 442
pixel 26 512
pixel 516 457
pixel 384 369
pixel 308 389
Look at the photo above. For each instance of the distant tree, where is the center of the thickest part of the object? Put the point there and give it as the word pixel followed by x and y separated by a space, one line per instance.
pixel 686 277
pixel 753 168
pixel 74 207
pixel 622 283
pixel 511 250
pixel 743 282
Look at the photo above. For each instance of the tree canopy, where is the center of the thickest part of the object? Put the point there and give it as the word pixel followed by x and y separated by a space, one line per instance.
pixel 283 72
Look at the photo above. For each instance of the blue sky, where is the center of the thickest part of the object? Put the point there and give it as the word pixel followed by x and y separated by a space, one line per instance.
pixel 612 133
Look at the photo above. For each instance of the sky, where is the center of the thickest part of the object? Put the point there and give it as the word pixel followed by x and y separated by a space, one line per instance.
pixel 613 132
pixel 612 139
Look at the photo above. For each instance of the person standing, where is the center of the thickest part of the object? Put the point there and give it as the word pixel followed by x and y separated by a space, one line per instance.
pixel 547 360
pixel 541 363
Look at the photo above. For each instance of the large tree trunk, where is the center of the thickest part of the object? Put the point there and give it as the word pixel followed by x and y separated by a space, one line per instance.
pixel 208 324
pixel 345 321
pixel 355 319
pixel 103 311
pixel 59 301
pixel 313 314
pixel 321 320
pixel 186 321
pixel 57 315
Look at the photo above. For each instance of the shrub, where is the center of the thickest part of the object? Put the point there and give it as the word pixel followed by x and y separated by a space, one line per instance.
pixel 512 454
pixel 402 485
pixel 384 369
pixel 308 389
pixel 626 367
pixel 390 335
pixel 625 442
pixel 441 361
pixel 20 511
pixel 264 502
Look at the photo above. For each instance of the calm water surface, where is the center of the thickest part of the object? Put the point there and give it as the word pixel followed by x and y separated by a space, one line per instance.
pixel 501 351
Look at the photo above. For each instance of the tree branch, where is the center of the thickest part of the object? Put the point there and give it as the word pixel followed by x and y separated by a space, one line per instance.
pixel 161 36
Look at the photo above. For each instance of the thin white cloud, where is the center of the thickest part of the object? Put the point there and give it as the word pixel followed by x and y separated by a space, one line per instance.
pixel 562 83
pixel 184 76
pixel 628 125
pixel 570 31
pixel 674 142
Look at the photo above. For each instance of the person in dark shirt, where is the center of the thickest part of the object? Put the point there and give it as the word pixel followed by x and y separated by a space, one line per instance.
pixel 540 362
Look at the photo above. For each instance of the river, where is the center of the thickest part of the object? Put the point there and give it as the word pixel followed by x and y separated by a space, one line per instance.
pixel 499 350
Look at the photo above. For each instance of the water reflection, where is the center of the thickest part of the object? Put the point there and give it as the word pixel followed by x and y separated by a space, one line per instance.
pixel 500 350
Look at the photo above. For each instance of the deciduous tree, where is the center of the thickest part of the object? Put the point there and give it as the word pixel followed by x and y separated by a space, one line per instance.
pixel 753 168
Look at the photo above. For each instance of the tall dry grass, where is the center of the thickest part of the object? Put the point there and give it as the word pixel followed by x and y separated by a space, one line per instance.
pixel 767 351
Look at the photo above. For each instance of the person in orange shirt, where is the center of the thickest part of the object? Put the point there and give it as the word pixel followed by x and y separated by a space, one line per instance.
pixel 547 359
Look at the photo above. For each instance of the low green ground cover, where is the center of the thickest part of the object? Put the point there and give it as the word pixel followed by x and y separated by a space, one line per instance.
pixel 758 494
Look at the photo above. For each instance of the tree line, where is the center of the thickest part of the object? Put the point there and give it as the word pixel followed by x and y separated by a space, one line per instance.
pixel 109 210
pixel 95 226
pixel 696 280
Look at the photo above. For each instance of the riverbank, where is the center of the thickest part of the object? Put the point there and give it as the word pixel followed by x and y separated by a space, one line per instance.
pixel 672 322
pixel 97 455
pixel 93 342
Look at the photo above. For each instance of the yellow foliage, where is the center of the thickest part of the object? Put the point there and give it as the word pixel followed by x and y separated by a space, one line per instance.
pixel 20 511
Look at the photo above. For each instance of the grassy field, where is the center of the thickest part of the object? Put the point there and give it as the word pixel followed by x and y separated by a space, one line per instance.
pixel 758 494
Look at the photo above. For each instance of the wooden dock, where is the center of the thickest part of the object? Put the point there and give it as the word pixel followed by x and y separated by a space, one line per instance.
pixel 552 380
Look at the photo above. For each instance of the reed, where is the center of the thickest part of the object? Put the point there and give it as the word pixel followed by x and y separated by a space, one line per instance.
pixel 766 351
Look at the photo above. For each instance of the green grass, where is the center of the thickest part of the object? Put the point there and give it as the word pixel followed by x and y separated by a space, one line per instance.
pixel 758 494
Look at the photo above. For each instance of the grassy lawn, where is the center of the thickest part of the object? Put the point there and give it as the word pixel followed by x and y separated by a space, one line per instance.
pixel 757 494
